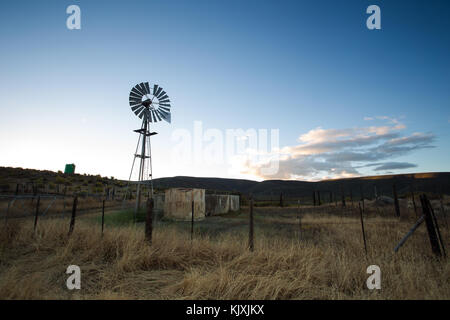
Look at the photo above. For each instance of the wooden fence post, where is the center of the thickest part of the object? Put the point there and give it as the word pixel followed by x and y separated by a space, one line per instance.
pixel 192 221
pixel 103 215
pixel 362 228
pixel 396 206
pixel 299 221
pixel 318 198
pixel 414 202
pixel 443 214
pixel 430 226
pixel 250 230
pixel 351 197
pixel 7 212
pixel 148 221
pixel 74 212
pixel 281 199
pixel 436 225
pixel 314 198
pixel 362 195
pixel 343 198
pixel 36 214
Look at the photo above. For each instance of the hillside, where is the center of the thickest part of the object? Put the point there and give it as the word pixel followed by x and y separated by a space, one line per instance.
pixel 435 183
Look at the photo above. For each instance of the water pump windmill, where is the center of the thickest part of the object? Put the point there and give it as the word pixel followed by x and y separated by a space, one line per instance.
pixel 151 105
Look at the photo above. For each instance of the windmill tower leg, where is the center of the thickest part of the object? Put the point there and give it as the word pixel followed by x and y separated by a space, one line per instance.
pixel 150 158
pixel 141 167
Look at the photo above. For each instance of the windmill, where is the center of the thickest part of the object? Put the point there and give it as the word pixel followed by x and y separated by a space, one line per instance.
pixel 151 105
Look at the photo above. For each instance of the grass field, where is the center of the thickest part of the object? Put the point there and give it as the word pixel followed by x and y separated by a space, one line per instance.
pixel 323 260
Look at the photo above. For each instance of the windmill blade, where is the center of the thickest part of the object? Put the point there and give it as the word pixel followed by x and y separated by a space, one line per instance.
pixel 158 92
pixel 154 116
pixel 168 118
pixel 138 110
pixel 135 104
pixel 157 115
pixel 136 92
pixel 164 101
pixel 147 87
pixel 163 114
pixel 142 113
pixel 164 97
pixel 139 89
pixel 135 108
pixel 165 109
pixel 134 97
pixel 165 105
pixel 155 88
pixel 162 93
pixel 135 101
pixel 142 87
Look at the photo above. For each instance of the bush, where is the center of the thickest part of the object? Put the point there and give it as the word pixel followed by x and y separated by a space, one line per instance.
pixel 60 180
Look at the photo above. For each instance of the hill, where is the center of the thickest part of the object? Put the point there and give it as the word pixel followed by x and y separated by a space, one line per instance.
pixel 433 182
pixel 436 183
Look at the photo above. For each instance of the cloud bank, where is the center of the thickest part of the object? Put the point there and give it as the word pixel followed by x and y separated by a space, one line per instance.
pixel 338 153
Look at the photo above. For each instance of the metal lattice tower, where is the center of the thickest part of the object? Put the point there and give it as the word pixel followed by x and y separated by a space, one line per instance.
pixel 151 105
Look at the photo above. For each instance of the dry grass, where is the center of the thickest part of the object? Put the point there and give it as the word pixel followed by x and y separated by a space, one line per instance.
pixel 328 262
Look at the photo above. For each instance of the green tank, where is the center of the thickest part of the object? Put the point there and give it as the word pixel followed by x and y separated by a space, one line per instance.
pixel 70 168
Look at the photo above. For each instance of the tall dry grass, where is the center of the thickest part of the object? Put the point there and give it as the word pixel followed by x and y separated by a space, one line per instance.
pixel 325 261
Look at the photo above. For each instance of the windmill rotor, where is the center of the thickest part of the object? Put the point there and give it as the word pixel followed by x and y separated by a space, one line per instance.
pixel 150 103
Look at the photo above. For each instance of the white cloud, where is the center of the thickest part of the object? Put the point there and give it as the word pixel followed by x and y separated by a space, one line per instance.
pixel 335 153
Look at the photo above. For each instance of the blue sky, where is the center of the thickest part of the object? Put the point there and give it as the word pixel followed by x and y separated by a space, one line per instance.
pixel 295 66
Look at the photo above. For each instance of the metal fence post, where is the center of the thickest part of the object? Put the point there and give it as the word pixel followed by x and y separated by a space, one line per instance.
pixel 103 215
pixel 250 230
pixel 36 214
pixel 74 211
